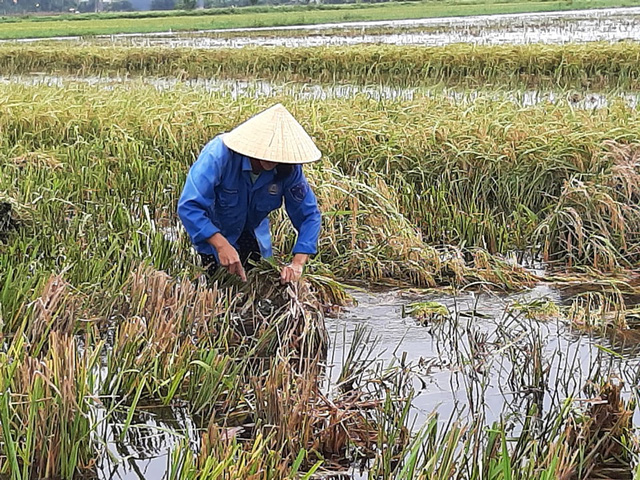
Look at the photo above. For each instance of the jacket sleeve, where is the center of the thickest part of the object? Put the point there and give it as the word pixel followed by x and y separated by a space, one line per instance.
pixel 198 195
pixel 302 208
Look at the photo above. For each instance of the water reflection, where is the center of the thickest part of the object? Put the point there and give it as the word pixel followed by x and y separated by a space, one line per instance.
pixel 143 450
pixel 481 362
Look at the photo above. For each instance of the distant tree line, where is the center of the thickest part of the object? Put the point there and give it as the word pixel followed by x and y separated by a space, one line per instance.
pixel 26 7
pixel 22 7
pixel 191 4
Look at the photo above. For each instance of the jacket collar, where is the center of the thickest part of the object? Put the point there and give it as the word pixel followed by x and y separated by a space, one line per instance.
pixel 264 178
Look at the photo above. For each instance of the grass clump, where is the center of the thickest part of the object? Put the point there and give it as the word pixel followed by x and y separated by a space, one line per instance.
pixel 595 217
pixel 47 407
pixel 426 312
pixel 599 312
pixel 540 309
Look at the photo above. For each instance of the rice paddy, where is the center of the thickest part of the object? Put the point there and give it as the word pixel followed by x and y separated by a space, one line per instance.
pixel 472 311
pixel 609 25
pixel 581 66
pixel 38 26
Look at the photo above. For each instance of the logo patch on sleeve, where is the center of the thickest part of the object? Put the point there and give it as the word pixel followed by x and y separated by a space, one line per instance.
pixel 299 191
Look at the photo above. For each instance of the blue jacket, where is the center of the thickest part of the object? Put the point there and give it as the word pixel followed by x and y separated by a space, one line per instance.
pixel 218 196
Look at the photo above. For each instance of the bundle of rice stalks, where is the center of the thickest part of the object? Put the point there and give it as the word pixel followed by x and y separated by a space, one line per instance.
pixel 223 455
pixel 540 309
pixel 331 294
pixel 176 338
pixel 47 409
pixel 624 165
pixel 173 340
pixel 295 414
pixel 494 272
pixel 600 437
pixel 166 304
pixel 366 231
pixel 56 310
pixel 284 319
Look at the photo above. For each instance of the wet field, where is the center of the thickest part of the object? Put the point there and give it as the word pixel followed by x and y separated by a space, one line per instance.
pixel 478 367
pixel 257 89
pixel 486 361
pixel 609 25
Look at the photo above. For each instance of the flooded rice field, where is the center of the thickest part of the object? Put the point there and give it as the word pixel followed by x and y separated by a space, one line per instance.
pixel 235 89
pixel 485 363
pixel 610 25
pixel 423 186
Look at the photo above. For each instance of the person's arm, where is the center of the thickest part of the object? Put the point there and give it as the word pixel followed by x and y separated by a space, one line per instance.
pixel 227 255
pixel 198 196
pixel 302 208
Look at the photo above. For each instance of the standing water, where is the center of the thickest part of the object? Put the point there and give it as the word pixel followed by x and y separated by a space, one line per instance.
pixel 611 25
pixel 477 365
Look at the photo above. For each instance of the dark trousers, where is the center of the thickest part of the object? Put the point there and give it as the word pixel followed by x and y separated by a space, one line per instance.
pixel 248 249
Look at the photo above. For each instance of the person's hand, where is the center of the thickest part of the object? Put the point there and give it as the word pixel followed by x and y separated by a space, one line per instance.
pixel 290 273
pixel 228 256
pixel 293 271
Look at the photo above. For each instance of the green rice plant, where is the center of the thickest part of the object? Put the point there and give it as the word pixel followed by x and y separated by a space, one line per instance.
pixel 172 339
pixel 444 450
pixel 432 453
pixel 588 226
pixel 368 234
pixel 224 456
pixel 572 442
pixel 493 271
pixel 412 193
pixel 47 409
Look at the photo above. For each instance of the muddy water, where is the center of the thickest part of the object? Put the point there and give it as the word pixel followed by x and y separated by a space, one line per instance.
pixel 610 25
pixel 259 89
pixel 475 366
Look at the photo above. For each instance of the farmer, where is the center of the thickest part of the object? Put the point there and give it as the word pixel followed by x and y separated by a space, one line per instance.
pixel 237 180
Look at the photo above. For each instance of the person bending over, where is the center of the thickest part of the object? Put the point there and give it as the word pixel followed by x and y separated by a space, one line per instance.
pixel 241 176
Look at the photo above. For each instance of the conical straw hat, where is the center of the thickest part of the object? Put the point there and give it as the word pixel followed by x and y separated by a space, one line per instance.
pixel 273 135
